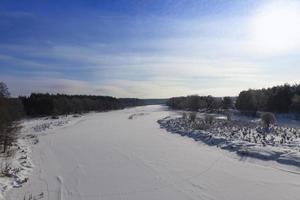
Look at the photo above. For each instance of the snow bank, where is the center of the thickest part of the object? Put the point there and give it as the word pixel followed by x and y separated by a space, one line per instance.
pixel 17 167
pixel 281 144
pixel 46 125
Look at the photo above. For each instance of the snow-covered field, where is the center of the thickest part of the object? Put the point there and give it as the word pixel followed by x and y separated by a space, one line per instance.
pixel 126 155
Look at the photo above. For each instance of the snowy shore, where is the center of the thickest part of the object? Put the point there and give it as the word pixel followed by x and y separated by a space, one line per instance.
pixel 18 166
pixel 246 138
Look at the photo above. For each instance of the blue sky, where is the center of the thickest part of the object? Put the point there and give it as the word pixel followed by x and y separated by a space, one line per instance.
pixel 148 49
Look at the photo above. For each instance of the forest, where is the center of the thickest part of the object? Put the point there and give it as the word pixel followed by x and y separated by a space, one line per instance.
pixel 195 102
pixel 60 104
pixel 278 99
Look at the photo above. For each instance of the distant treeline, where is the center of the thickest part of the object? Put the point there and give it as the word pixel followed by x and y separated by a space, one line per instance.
pixel 59 104
pixel 130 102
pixel 195 102
pixel 155 101
pixel 280 99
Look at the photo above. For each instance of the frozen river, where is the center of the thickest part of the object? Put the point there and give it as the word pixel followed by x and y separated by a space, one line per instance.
pixel 125 155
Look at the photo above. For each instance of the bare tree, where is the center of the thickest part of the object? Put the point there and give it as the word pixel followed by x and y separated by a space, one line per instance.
pixel 268 119
pixel 193 116
pixel 209 119
pixel 10 111
pixel 4 93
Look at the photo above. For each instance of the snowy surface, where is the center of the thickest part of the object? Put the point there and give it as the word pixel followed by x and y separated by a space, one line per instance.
pixel 18 165
pixel 126 155
pixel 245 137
pixel 15 168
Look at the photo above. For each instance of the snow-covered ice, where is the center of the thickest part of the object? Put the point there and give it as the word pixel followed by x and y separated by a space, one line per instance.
pixel 126 155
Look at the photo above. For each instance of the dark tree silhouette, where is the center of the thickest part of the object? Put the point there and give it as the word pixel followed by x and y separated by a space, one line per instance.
pixel 227 103
pixel 268 119
pixel 11 109
pixel 59 104
pixel 195 102
pixel 280 99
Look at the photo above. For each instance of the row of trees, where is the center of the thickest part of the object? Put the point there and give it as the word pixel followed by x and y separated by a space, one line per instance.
pixel 195 102
pixel 280 99
pixel 58 104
